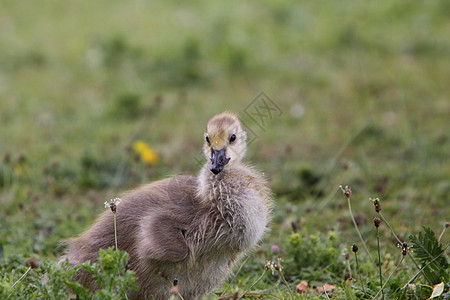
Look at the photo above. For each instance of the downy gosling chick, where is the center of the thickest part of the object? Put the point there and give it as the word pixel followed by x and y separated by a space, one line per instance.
pixel 190 228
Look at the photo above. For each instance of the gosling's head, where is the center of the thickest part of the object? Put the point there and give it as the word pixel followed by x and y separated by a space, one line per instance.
pixel 224 141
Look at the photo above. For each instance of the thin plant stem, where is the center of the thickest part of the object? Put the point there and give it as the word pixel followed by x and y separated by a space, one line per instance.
pixel 379 261
pixel 359 274
pixel 397 238
pixel 115 230
pixel 424 267
pixel 393 271
pixel 254 283
pixel 21 277
pixel 287 285
pixel 173 297
pixel 235 276
pixel 357 230
pixel 349 269
pixel 442 234
pixel 390 228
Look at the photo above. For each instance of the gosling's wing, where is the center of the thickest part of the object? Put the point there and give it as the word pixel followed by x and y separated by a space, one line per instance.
pixel 162 229
pixel 162 238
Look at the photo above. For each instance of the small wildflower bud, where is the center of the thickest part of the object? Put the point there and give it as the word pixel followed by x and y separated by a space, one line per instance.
pixel 275 249
pixel 447 224
pixel 347 191
pixel 347 256
pixel 294 226
pixel 277 266
pixel 377 205
pixel 112 204
pixel 268 265
pixel 33 264
pixel 376 222
pixel 21 159
pixel 405 248
pixel 355 248
pixel 6 158
pixel 175 281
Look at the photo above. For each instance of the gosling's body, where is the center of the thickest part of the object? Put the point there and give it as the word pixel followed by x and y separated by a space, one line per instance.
pixel 185 227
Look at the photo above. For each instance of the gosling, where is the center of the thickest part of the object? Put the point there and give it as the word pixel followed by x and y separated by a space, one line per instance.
pixel 190 228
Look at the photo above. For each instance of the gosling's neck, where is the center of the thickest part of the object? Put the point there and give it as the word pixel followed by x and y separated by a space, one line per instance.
pixel 215 188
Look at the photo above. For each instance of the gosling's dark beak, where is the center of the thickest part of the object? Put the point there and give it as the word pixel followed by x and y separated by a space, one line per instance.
pixel 218 160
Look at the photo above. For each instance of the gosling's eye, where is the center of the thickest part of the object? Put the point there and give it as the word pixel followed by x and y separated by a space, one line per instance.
pixel 207 140
pixel 232 138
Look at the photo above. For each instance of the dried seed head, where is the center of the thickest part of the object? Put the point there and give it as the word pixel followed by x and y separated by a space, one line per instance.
pixel 346 190
pixel 294 226
pixel 347 256
pixel 447 224
pixel 21 158
pixel 112 204
pixel 377 204
pixel 6 158
pixel 404 249
pixel 33 264
pixel 354 248
pixel 113 207
pixel 277 266
pixel 377 222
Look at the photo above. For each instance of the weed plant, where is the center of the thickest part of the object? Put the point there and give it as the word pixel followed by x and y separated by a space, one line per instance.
pixel 363 89
pixel 54 281
pixel 310 262
pixel 415 268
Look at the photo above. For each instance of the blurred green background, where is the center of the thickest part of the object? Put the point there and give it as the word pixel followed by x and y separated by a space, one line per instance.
pixel 363 89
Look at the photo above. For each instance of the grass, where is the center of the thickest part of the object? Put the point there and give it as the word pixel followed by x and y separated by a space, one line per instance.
pixel 362 87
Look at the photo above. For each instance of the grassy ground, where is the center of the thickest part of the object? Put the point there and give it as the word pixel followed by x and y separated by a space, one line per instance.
pixel 361 90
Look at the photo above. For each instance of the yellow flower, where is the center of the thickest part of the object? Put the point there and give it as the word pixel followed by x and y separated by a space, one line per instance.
pixel 148 155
